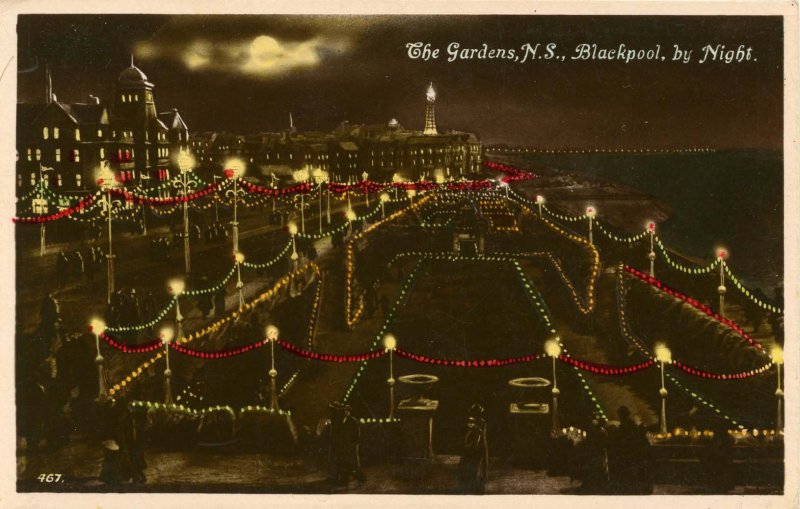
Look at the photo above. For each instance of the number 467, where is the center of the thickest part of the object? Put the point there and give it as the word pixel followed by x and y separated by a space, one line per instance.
pixel 49 477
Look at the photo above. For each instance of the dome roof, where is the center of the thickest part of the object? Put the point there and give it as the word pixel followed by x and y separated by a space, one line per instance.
pixel 132 75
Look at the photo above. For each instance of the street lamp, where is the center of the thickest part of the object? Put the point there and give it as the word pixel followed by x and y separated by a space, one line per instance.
pixel 144 177
pixel 319 177
pixel 722 254
pixel 364 177
pixel 166 338
pixel 351 216
pixel 185 163
pixel 216 201
pixel 41 207
pixel 411 194
pixel 777 359
pixel 502 183
pixel 176 288
pixel 272 336
pixel 540 202
pixel 591 213
pixel 108 182
pixel 234 169
pixel 390 343
pixel 97 327
pixel 384 198
pixel 651 228
pixel 239 259
pixel 396 179
pixel 663 356
pixel 552 347
pixel 293 233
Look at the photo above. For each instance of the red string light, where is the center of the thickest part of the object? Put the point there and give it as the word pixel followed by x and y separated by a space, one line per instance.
pixel 605 369
pixel 303 188
pixel 296 350
pixel 490 363
pixel 58 215
pixel 142 199
pixel 693 302
pixel 148 346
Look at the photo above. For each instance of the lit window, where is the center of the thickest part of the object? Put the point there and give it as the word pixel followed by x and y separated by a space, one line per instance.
pixel 77 155
pixel 55 133
pixel 33 179
pixel 58 155
pixel 58 180
pixel 123 97
pixel 136 98
pixel 78 179
pixel 30 155
pixel 19 179
pixel 99 133
pixel 45 133
pixel 78 134
pixel 38 154
pixel 102 153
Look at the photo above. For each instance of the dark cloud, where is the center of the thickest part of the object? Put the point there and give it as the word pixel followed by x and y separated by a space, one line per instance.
pixel 245 73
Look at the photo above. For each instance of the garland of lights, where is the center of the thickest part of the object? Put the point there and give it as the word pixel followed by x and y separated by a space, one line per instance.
pixel 56 216
pixel 283 281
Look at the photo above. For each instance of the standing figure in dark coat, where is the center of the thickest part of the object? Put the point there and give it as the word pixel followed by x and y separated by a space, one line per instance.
pixel 49 322
pixel 593 458
pixel 474 465
pixel 204 303
pixel 343 455
pixel 631 452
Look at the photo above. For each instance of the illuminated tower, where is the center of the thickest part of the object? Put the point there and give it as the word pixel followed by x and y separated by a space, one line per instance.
pixel 430 117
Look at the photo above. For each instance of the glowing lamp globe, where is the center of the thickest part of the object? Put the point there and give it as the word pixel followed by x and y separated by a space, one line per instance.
pixel 397 178
pixel 234 168
pixel 292 229
pixel 411 193
pixel 389 342
pixel 552 347
pixel 272 333
pixel 176 286
pixel 591 212
pixel 722 253
pixel 239 257
pixel 185 161
pixel 651 226
pixel 166 334
pixel 385 197
pixel 539 199
pixel 350 215
pixel 777 354
pixel 97 326
pixel 663 354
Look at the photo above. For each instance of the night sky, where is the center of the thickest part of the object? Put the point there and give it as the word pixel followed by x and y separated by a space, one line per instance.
pixel 245 74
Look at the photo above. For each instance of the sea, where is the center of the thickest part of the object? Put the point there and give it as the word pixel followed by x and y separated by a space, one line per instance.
pixel 729 198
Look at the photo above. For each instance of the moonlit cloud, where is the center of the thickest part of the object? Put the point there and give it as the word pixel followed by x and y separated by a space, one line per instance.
pixel 261 56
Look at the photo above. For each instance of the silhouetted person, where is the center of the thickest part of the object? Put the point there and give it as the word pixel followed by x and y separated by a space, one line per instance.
pixel 718 464
pixel 204 300
pixel 474 465
pixel 631 452
pixel 219 302
pixel 344 441
pixel 49 322
pixel 593 458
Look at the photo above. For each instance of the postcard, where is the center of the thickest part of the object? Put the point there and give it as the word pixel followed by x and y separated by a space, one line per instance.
pixel 401 252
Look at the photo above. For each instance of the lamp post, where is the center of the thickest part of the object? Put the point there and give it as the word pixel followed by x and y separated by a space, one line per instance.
pixel 41 207
pixel 364 177
pixel 384 198
pixel 185 163
pixel 97 327
pixel 651 228
pixel 239 259
pixel 411 194
pixel 540 202
pixel 320 177
pixel 390 343
pixel 722 254
pixel 663 356
pixel 216 201
pixel 777 359
pixel 143 177
pixel 351 216
pixel 107 183
pixel 272 336
pixel 166 338
pixel 591 213
pixel 176 288
pixel 234 169
pixel 396 179
pixel 293 233
pixel 552 348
